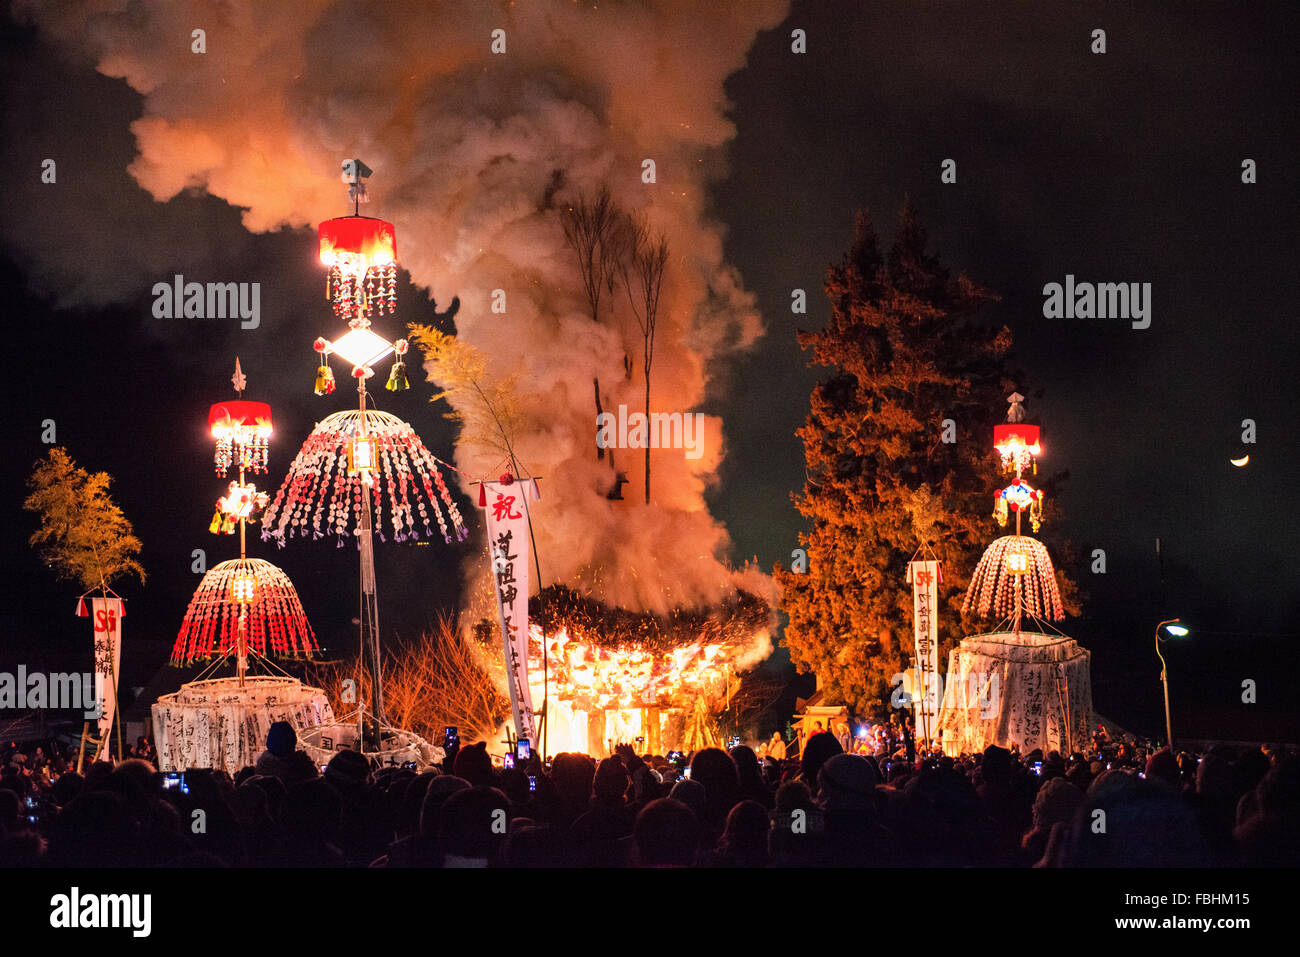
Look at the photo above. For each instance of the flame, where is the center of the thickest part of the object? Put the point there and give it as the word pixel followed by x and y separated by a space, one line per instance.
pixel 626 682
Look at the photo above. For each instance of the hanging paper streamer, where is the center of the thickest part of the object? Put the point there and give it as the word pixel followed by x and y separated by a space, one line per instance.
pixel 320 497
pixel 1015 571
pixel 924 577
pixel 274 622
pixel 506 512
pixel 107 615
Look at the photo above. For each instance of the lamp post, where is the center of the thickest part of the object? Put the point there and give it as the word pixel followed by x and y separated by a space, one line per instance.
pixel 1176 628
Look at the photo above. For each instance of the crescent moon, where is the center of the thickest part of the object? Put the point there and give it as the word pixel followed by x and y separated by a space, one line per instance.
pixel 1241 461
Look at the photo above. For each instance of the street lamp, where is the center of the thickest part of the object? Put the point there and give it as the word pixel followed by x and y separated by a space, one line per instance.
pixel 1176 628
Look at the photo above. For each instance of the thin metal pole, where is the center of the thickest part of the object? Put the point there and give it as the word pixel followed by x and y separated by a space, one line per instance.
pixel 1164 680
pixel 368 626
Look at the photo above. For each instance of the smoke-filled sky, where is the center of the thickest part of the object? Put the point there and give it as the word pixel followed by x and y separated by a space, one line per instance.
pixel 1123 166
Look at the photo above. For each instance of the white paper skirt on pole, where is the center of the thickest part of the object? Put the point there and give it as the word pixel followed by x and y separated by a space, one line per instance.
pixel 1028 689
pixel 217 724
pixel 401 748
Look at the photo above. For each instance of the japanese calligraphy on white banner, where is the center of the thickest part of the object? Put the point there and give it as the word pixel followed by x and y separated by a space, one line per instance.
pixel 107 615
pixel 506 511
pixel 924 577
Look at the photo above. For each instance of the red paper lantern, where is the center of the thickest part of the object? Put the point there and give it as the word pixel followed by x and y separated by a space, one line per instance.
pixel 239 413
pixel 361 254
pixel 1017 444
pixel 242 428
pixel 357 240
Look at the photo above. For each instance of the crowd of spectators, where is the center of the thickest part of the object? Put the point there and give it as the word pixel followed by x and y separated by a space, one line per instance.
pixel 1113 808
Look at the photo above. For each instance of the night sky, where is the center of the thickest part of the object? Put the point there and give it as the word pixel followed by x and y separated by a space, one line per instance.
pixel 1121 167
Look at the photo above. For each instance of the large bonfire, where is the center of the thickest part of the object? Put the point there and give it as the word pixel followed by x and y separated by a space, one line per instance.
pixel 616 675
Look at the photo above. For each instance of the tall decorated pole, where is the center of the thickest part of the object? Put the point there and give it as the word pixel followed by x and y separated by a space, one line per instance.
pixel 357 461
pixel 106 613
pixel 245 606
pixel 244 609
pixel 243 431
pixel 1015 575
pixel 506 511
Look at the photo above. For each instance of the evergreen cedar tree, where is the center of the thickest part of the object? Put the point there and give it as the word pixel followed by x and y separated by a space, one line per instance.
pixel 907 352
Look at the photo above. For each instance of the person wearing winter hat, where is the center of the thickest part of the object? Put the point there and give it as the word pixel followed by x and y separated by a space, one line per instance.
pixel 282 760
pixel 474 765
pixel 347 771
pixel 281 739
pixel 853 836
pixel 847 782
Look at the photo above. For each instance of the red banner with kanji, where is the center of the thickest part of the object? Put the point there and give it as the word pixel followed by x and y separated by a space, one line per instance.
pixel 924 577
pixel 106 615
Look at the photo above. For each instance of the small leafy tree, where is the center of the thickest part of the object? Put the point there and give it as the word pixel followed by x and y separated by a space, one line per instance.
pixel 487 411
pixel 82 534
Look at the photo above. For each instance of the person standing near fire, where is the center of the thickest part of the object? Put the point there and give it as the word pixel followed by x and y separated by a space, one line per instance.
pixel 842 734
pixel 776 747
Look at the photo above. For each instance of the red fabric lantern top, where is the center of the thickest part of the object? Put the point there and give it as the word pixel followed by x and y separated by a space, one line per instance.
pixel 239 413
pixel 373 240
pixel 1012 432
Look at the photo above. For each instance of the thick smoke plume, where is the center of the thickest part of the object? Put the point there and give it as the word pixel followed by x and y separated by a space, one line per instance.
pixel 474 155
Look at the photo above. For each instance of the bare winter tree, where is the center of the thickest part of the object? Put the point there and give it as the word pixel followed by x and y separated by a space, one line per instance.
pixel 599 233
pixel 443 678
pixel 643 278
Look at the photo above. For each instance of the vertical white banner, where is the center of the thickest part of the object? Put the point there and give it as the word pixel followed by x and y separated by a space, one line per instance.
pixel 924 577
pixel 106 615
pixel 506 511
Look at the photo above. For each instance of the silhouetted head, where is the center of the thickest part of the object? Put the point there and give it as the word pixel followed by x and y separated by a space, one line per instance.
pixel 474 824
pixel 666 834
pixel 746 762
pixel 996 766
pixel 847 782
pixel 1163 766
pixel 438 791
pixel 819 749
pixel 746 832
pixel 281 739
pixel 348 771
pixel 690 793
pixel 412 801
pixel 474 765
pixel 610 783
pixel 714 769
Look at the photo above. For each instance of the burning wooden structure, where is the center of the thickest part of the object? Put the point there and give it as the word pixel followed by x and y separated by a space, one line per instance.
pixel 616 675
